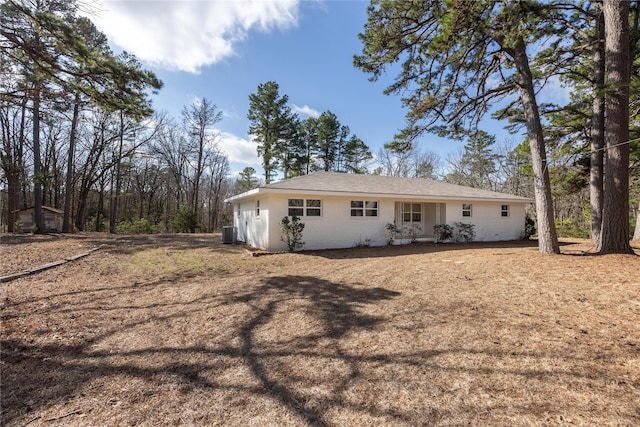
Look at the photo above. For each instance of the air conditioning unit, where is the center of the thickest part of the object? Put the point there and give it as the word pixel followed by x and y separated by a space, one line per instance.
pixel 229 235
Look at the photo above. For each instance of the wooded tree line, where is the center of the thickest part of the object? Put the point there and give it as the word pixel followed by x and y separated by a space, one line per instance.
pixel 79 132
pixel 293 146
pixel 460 60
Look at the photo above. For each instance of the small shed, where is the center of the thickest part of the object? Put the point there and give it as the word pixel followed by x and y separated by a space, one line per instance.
pixel 52 219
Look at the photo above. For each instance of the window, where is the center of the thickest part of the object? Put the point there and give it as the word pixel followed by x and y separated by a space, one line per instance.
pixel 466 209
pixel 296 207
pixel 314 207
pixel 257 207
pixel 364 208
pixel 238 210
pixel 411 212
pixel 504 210
pixel 302 207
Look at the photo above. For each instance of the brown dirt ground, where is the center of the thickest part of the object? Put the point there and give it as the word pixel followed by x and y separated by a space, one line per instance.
pixel 180 329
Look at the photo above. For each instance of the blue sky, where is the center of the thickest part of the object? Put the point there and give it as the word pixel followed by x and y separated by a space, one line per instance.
pixel 222 51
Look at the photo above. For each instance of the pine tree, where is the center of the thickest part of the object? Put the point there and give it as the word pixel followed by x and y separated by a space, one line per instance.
pixel 615 216
pixel 270 119
pixel 457 57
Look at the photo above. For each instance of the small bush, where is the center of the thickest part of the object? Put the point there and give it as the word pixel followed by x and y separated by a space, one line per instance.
pixel 443 232
pixel 529 227
pixel 392 231
pixel 465 232
pixel 185 220
pixel 141 226
pixel 569 228
pixel 363 243
pixel 406 232
pixel 411 231
pixel 291 232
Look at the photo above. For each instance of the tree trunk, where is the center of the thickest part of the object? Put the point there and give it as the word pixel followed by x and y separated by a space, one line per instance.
pixel 596 179
pixel 547 236
pixel 198 177
pixel 636 234
pixel 38 173
pixel 98 224
pixel 13 160
pixel 66 219
pixel 113 214
pixel 82 207
pixel 615 215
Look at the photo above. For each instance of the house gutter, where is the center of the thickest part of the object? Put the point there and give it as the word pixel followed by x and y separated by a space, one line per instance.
pixel 395 196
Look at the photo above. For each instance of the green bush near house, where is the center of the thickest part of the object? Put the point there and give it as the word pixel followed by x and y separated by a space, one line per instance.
pixel 443 232
pixel 465 232
pixel 529 227
pixel 291 232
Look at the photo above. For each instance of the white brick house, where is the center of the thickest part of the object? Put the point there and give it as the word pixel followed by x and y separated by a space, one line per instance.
pixel 342 210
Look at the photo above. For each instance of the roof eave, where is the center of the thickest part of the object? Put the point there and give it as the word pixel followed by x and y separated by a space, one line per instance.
pixel 375 195
pixel 243 195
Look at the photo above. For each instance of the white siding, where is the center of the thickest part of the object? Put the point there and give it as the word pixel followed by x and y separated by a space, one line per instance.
pixel 489 223
pixel 336 228
pixel 252 229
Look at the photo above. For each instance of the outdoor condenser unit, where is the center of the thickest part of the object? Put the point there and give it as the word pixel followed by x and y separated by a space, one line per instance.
pixel 229 234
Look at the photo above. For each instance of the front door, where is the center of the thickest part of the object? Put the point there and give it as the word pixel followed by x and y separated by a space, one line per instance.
pixel 420 216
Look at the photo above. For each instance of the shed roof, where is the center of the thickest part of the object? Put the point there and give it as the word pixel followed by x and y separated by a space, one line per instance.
pixel 44 208
pixel 381 186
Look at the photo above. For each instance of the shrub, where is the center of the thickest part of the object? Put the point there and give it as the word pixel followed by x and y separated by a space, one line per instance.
pixel 407 232
pixel 392 230
pixel 363 243
pixel 291 232
pixel 141 226
pixel 529 227
pixel 412 232
pixel 465 232
pixel 569 228
pixel 185 220
pixel 443 232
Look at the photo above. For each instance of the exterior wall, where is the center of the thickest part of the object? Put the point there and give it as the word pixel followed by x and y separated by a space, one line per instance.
pixel 490 225
pixel 52 220
pixel 336 228
pixel 26 218
pixel 252 228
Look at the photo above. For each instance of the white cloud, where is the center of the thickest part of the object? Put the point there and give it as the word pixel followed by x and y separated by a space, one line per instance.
pixel 187 35
pixel 555 91
pixel 238 149
pixel 305 110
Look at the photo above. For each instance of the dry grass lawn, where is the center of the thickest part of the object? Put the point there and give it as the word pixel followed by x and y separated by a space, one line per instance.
pixel 182 330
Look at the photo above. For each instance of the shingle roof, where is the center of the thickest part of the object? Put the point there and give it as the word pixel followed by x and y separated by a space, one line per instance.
pixel 334 182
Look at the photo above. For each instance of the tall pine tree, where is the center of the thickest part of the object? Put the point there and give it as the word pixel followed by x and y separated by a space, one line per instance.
pixel 458 57
pixel 270 124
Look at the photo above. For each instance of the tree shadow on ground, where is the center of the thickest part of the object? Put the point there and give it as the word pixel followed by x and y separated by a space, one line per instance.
pixel 37 375
pixel 265 337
